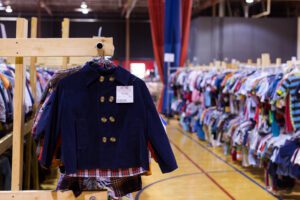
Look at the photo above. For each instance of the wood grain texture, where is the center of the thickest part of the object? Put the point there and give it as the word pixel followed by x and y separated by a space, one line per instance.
pixel 51 47
pixel 6 141
pixel 65 34
pixel 18 115
pixel 32 68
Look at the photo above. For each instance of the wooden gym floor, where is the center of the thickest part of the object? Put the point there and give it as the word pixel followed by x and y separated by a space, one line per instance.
pixel 204 174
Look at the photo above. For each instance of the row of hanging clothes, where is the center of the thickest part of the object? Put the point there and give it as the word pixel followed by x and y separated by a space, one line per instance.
pixel 7 79
pixel 253 113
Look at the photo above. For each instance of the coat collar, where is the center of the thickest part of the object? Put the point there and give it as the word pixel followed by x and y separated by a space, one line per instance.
pixel 93 72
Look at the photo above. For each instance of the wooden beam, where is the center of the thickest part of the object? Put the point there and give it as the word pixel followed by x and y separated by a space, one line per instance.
pixel 52 47
pixel 278 61
pixel 6 141
pixel 32 69
pixel 33 77
pixel 298 38
pixel 50 195
pixel 18 116
pixel 265 60
pixel 65 34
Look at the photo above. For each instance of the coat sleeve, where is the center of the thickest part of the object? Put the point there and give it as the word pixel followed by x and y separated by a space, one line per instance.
pixel 156 135
pixel 51 127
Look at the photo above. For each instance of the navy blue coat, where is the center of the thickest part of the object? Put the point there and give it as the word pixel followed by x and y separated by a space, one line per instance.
pixel 97 132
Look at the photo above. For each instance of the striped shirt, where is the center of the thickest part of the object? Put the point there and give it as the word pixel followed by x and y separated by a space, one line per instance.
pixel 290 86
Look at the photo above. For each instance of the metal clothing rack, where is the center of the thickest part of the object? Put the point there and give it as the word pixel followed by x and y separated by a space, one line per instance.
pixel 169 71
pixel 33 47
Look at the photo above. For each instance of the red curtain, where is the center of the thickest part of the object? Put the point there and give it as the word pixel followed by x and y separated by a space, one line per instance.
pixel 186 12
pixel 156 15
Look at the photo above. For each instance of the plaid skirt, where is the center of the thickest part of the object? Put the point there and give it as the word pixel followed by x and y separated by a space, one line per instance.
pixel 116 187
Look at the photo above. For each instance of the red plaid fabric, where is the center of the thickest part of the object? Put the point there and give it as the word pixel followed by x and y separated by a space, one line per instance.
pixel 109 173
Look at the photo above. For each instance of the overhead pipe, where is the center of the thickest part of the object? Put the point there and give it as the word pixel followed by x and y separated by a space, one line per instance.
pixel 131 7
pixel 265 13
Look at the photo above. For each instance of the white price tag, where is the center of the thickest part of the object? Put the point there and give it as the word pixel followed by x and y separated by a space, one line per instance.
pixel 169 57
pixel 124 94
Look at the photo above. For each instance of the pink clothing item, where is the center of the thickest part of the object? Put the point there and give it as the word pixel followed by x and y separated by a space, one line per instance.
pixel 195 96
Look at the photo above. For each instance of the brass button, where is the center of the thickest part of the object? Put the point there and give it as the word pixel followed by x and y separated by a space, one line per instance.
pixel 111 99
pixel 111 78
pixel 101 79
pixel 113 139
pixel 104 139
pixel 103 119
pixel 102 99
pixel 112 119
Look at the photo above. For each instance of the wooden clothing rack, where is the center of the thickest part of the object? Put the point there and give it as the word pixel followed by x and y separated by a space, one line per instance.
pixel 33 47
pixel 62 62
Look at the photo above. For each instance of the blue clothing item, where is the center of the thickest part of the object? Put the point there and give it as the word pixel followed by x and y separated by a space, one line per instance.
pixel 207 99
pixel 97 132
pixel 295 171
pixel 3 105
pixel 199 130
pixel 185 124
pixel 290 86
pixel 274 125
pixel 284 156
pixel 5 171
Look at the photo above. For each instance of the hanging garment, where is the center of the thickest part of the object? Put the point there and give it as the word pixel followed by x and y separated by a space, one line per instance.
pixel 38 134
pixel 290 87
pixel 5 172
pixel 104 128
pixel 116 187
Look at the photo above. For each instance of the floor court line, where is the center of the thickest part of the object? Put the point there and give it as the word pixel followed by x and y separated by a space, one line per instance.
pixel 233 167
pixel 181 175
pixel 137 197
pixel 203 171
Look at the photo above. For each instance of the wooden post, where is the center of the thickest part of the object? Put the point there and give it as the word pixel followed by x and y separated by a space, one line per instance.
pixel 28 149
pixel 298 39
pixel 33 34
pixel 278 61
pixel 18 102
pixel 258 62
pixel 65 34
pixel 265 59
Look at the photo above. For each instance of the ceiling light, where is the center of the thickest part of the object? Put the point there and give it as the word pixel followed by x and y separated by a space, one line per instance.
pixel 83 5
pixel 85 11
pixel 249 1
pixel 8 9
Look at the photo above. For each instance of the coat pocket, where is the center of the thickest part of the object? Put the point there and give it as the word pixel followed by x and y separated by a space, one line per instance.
pixel 81 133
